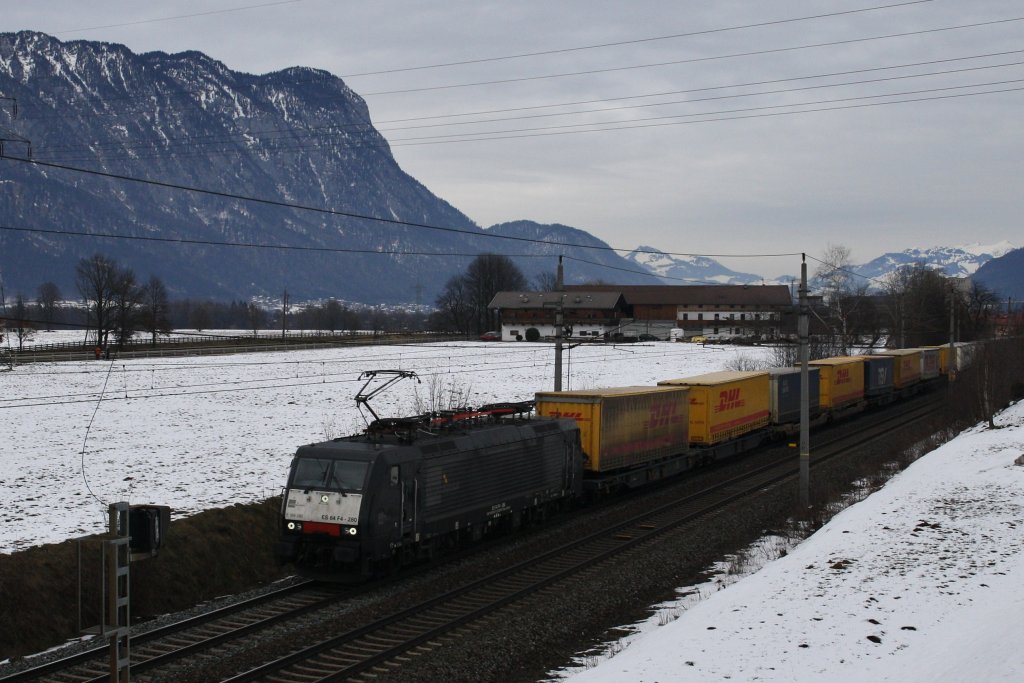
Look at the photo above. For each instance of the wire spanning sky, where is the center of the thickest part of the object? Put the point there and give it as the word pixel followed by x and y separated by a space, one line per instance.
pixel 764 127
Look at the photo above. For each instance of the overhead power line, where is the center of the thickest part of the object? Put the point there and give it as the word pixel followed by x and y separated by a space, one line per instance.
pixel 336 212
pixel 60 152
pixel 438 140
pixel 180 16
pixel 727 111
pixel 388 252
pixel 695 60
pixel 634 41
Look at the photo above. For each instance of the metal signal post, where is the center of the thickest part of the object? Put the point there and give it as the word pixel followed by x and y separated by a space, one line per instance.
pixel 559 288
pixel 803 329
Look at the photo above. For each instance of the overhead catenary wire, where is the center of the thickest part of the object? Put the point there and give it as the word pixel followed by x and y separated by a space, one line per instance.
pixel 635 41
pixel 320 133
pixel 695 60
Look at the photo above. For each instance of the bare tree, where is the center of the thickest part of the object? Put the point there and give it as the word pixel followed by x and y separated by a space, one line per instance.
pixel 127 301
pixel 844 293
pixel 199 317
pixel 978 307
pixel 256 316
pixel 545 282
pixel 18 323
pixel 454 307
pixel 333 314
pixel 96 279
pixel 47 297
pixel 994 377
pixel 486 275
pixel 154 314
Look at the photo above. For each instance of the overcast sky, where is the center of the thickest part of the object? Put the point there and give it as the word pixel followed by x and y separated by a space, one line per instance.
pixel 874 178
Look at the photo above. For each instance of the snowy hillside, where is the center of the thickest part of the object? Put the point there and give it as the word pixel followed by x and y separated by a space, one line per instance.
pixel 688 270
pixel 918 583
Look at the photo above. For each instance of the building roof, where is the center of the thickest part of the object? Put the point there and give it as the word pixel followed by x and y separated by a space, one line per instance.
pixel 707 295
pixel 578 298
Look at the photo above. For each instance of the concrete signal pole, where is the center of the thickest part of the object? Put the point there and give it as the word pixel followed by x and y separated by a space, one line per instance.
pixel 803 332
pixel 559 289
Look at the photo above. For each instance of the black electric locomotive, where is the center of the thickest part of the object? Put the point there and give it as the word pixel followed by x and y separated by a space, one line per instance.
pixel 407 488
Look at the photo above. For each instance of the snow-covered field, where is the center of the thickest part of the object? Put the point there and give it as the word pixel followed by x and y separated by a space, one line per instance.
pixel 921 582
pixel 197 433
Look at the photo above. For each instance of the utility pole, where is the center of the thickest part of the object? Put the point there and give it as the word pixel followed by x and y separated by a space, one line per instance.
pixel 284 313
pixel 803 331
pixel 951 358
pixel 559 291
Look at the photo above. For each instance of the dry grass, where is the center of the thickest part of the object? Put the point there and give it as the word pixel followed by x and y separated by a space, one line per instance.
pixel 215 553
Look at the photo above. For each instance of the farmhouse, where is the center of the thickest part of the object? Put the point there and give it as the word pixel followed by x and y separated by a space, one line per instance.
pixel 717 312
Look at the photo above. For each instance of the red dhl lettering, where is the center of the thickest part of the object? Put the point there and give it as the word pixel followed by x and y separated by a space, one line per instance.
pixel 663 415
pixel 843 376
pixel 729 400
pixel 578 416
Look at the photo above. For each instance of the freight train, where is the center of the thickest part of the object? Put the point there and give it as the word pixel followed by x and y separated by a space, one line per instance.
pixel 409 488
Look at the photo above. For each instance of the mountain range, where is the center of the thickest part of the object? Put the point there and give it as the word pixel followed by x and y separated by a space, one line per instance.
pixel 331 213
pixel 232 185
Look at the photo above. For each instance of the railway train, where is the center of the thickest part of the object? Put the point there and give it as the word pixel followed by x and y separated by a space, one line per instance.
pixel 408 488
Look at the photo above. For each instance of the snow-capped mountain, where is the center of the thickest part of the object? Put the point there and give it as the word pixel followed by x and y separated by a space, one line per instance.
pixel 957 261
pixel 1004 275
pixel 688 270
pixel 299 141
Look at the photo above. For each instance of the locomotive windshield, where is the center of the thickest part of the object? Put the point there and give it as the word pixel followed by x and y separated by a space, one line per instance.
pixel 330 475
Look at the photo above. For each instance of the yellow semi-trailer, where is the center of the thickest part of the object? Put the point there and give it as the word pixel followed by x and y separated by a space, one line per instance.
pixel 625 426
pixel 842 381
pixel 908 366
pixel 725 405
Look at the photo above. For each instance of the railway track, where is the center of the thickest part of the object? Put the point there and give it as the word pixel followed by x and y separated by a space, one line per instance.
pixel 163 646
pixel 377 648
pixel 392 641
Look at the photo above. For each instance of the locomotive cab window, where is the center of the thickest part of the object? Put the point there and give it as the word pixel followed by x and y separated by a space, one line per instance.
pixel 332 475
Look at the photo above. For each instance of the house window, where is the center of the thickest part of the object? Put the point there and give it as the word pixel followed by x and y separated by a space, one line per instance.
pixel 716 316
pixel 743 316
pixel 513 332
pixel 716 330
pixel 700 316
pixel 686 316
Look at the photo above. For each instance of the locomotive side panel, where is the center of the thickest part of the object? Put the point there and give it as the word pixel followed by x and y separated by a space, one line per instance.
pixel 493 473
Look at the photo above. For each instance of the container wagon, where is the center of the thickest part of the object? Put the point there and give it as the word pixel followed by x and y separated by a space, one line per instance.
pixel 907 368
pixel 725 405
pixel 879 378
pixel 629 435
pixel 784 396
pixel 842 382
pixel 930 363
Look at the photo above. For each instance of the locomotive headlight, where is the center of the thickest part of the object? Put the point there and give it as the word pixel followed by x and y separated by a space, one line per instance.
pixel 324 498
pixel 352 531
pixel 291 526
